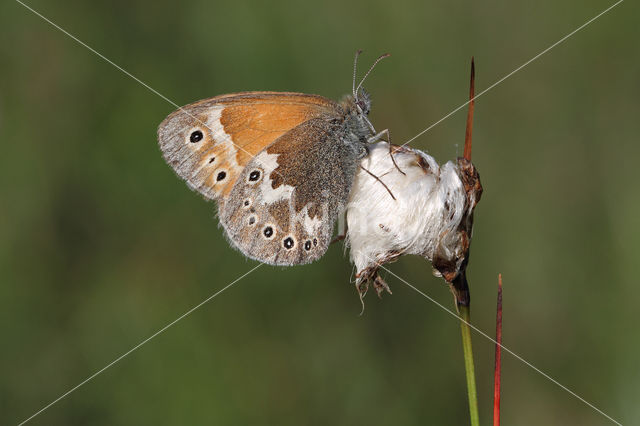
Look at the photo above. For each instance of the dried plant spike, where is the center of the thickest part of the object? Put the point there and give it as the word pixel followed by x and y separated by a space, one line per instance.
pixel 469 130
pixel 497 373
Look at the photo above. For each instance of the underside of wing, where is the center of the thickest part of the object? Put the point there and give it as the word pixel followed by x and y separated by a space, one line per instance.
pixel 208 143
pixel 284 204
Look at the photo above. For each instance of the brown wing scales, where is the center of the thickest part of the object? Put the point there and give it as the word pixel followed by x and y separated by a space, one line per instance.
pixel 304 182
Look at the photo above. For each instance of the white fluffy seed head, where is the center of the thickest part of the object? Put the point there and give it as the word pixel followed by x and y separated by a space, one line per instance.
pixel 424 219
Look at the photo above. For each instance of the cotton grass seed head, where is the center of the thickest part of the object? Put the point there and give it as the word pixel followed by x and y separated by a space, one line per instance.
pixel 413 206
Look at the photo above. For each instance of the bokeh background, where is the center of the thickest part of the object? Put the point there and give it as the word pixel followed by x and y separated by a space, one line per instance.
pixel 101 244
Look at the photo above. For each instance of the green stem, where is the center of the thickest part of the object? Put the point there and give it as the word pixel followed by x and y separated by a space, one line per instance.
pixel 468 364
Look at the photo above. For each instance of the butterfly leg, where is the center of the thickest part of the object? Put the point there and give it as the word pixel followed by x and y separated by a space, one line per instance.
pixel 378 137
pixel 379 180
pixel 342 229
pixel 338 238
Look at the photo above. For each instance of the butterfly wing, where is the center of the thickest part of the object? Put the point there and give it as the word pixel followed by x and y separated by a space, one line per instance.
pixel 283 206
pixel 208 143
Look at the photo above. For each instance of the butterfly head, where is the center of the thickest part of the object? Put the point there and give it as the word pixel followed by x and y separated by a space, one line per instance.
pixel 363 102
pixel 360 105
pixel 355 112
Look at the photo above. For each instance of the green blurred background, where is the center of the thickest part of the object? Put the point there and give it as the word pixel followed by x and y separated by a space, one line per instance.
pixel 101 244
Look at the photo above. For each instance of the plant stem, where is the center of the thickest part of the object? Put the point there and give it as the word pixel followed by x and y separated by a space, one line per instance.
pixel 468 364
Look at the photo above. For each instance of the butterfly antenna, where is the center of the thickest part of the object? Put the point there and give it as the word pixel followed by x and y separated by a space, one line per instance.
pixel 386 55
pixel 355 68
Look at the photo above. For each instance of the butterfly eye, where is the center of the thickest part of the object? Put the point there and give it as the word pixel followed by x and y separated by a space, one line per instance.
pixel 288 243
pixel 221 176
pixel 196 136
pixel 268 232
pixel 307 245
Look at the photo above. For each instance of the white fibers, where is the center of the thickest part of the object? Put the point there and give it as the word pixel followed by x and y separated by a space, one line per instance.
pixel 430 215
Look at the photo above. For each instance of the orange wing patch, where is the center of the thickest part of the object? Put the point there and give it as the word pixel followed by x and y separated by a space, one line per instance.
pixel 254 127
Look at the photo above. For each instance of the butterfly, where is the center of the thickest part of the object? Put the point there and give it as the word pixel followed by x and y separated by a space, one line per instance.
pixel 279 164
